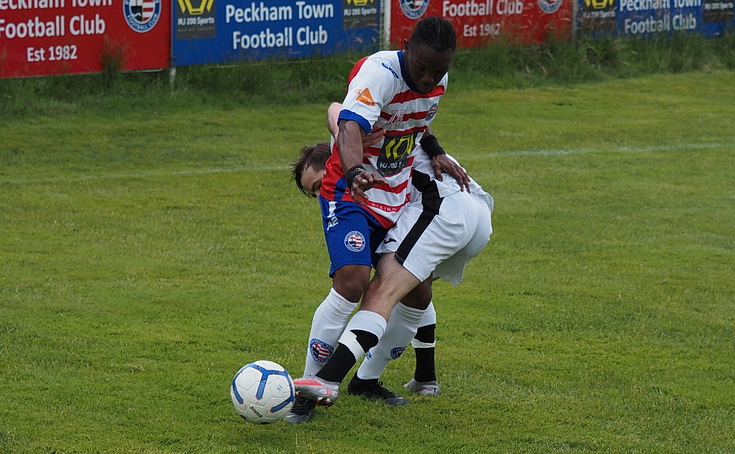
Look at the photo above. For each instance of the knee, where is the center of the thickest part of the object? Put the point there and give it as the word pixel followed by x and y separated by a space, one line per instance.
pixel 351 282
pixel 419 297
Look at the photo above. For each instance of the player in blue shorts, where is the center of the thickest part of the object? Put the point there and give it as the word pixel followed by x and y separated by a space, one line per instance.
pixel 307 172
pixel 364 189
pixel 435 237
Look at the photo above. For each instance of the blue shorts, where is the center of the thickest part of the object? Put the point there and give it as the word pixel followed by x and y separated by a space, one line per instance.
pixel 351 232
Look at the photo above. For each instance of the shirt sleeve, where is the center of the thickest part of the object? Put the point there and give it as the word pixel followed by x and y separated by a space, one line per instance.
pixel 370 90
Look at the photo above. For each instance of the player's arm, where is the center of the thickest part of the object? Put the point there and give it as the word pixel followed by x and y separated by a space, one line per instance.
pixel 441 163
pixel 350 140
pixel 374 136
pixel 333 118
pixel 369 84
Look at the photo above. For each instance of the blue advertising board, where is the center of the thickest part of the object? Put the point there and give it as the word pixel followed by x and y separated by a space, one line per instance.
pixel 221 31
pixel 647 18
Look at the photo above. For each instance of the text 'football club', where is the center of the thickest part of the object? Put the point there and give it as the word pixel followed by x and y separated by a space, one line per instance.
pixel 267 39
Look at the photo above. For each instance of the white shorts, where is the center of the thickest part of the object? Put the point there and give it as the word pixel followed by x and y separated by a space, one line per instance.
pixel 440 235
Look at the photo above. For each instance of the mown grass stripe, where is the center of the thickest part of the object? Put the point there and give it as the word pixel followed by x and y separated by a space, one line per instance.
pixel 558 152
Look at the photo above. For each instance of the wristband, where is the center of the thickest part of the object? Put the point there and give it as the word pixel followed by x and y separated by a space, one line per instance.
pixel 431 146
pixel 352 173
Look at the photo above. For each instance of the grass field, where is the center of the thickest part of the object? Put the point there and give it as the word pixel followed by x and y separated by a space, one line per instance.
pixel 145 258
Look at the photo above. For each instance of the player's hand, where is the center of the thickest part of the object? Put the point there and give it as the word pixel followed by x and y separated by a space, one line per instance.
pixel 362 183
pixel 442 164
pixel 373 137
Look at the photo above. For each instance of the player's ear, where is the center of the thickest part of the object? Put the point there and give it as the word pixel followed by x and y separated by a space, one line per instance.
pixel 405 44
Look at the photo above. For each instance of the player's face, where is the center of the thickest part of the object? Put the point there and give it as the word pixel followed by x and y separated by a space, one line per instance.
pixel 427 66
pixel 311 180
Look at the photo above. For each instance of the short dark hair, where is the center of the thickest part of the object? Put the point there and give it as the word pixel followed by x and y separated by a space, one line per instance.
pixel 310 156
pixel 435 32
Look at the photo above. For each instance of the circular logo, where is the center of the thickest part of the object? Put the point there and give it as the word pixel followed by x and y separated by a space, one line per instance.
pixel 550 6
pixel 142 15
pixel 432 111
pixel 355 241
pixel 320 350
pixel 413 9
pixel 396 352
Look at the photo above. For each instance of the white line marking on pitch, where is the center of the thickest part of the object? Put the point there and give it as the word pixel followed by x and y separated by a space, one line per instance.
pixel 680 147
pixel 676 148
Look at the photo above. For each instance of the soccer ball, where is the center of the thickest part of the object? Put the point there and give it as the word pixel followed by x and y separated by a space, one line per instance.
pixel 262 392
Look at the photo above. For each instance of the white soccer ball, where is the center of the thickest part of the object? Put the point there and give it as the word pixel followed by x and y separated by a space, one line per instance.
pixel 262 392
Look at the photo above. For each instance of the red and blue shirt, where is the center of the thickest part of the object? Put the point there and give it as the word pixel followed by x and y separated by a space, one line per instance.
pixel 380 94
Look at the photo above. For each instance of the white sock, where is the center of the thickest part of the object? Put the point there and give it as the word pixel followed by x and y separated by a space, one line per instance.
pixel 402 326
pixel 429 318
pixel 327 325
pixel 366 321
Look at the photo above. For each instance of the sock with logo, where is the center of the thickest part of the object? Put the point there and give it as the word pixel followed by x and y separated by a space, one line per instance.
pixel 327 325
pixel 398 334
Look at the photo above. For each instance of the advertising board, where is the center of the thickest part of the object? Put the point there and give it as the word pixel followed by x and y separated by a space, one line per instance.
pixel 479 22
pixel 44 37
pixel 648 18
pixel 219 31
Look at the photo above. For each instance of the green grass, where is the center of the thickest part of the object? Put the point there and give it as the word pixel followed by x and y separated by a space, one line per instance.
pixel 322 80
pixel 146 256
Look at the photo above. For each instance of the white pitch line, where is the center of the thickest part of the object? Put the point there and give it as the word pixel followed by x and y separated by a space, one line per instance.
pixel 679 147
pixel 156 173
pixel 671 148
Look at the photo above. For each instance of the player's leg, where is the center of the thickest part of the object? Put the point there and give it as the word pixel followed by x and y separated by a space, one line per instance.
pixel 331 317
pixel 451 270
pixel 349 233
pixel 426 234
pixel 398 333
pixel 389 285
pixel 327 325
pixel 401 328
pixel 424 381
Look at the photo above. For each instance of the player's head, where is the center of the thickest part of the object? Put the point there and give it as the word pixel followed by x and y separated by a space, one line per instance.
pixel 308 170
pixel 429 52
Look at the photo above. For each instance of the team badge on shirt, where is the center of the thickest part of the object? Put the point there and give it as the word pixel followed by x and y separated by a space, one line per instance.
pixel 432 111
pixel 355 241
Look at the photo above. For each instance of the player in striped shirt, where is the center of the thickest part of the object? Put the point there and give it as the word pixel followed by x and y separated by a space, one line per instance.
pixel 307 172
pixel 436 235
pixel 364 190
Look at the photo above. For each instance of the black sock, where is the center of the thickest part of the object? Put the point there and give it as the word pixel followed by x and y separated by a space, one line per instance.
pixel 425 366
pixel 342 359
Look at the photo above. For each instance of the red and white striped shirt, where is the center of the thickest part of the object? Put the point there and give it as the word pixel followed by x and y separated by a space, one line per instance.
pixel 379 95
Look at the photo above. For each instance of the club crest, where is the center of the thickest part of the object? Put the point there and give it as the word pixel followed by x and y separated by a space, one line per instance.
pixel 320 350
pixel 413 9
pixel 396 352
pixel 142 15
pixel 355 241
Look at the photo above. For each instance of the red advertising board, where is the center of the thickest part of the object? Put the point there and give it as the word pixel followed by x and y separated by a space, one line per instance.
pixel 479 22
pixel 43 37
